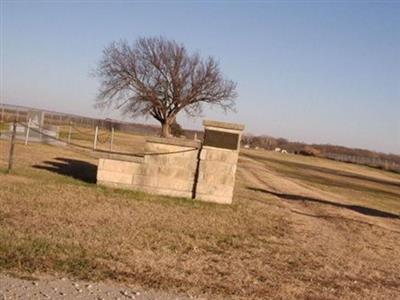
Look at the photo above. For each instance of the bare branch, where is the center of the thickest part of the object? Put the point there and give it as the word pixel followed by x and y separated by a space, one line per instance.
pixel 159 78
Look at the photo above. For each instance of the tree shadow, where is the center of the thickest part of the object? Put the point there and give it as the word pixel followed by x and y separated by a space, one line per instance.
pixel 78 169
pixel 357 208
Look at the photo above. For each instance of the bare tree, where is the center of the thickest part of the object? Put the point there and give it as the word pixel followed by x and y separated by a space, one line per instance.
pixel 159 78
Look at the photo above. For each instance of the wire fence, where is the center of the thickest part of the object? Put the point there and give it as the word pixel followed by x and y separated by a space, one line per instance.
pixel 375 162
pixel 110 140
pixel 9 113
pixel 82 141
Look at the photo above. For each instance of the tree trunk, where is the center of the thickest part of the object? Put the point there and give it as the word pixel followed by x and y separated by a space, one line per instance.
pixel 165 129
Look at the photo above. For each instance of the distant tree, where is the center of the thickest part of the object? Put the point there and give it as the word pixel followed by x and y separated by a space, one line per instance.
pixel 247 138
pixel 159 78
pixel 281 142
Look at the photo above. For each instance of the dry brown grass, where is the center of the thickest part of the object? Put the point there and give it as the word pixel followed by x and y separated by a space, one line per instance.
pixel 122 141
pixel 84 136
pixel 268 244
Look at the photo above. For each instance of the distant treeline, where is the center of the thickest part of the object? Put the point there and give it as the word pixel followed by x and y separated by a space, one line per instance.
pixel 390 162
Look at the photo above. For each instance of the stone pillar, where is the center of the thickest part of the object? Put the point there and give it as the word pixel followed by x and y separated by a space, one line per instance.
pixel 218 160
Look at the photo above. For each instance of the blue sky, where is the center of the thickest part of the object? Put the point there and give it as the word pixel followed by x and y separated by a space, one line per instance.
pixel 307 71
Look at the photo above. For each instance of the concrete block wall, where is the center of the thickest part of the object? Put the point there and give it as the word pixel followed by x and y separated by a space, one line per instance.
pixel 177 167
pixel 117 172
pixel 168 168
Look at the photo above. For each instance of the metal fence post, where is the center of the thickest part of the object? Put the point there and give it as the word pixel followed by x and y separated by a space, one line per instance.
pixel 27 132
pixel 69 133
pixel 11 153
pixel 95 138
pixel 112 138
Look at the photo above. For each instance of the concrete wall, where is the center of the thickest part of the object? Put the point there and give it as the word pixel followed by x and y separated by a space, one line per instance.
pixel 171 169
pixel 168 168
pixel 178 167
pixel 118 172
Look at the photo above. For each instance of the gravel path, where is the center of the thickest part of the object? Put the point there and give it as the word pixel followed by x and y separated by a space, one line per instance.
pixel 50 288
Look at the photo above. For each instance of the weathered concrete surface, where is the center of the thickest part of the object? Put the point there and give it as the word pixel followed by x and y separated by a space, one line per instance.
pixel 217 166
pixel 116 171
pixel 168 168
pixel 223 125
pixel 174 167
pixel 216 179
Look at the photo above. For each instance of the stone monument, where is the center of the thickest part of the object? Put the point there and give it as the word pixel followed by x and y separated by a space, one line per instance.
pixel 177 167
pixel 218 160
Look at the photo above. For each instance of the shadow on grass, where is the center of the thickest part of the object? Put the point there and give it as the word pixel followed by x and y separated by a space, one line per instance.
pixel 78 169
pixel 324 170
pixel 320 175
pixel 360 209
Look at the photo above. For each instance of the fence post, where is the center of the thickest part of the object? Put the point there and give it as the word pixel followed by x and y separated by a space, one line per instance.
pixel 69 132
pixel 11 153
pixel 27 132
pixel 112 138
pixel 95 138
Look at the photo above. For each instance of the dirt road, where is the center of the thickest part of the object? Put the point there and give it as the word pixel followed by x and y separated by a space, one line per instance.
pixel 50 288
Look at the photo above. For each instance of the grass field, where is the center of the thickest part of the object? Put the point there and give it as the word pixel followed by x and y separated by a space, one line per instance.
pixel 299 228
